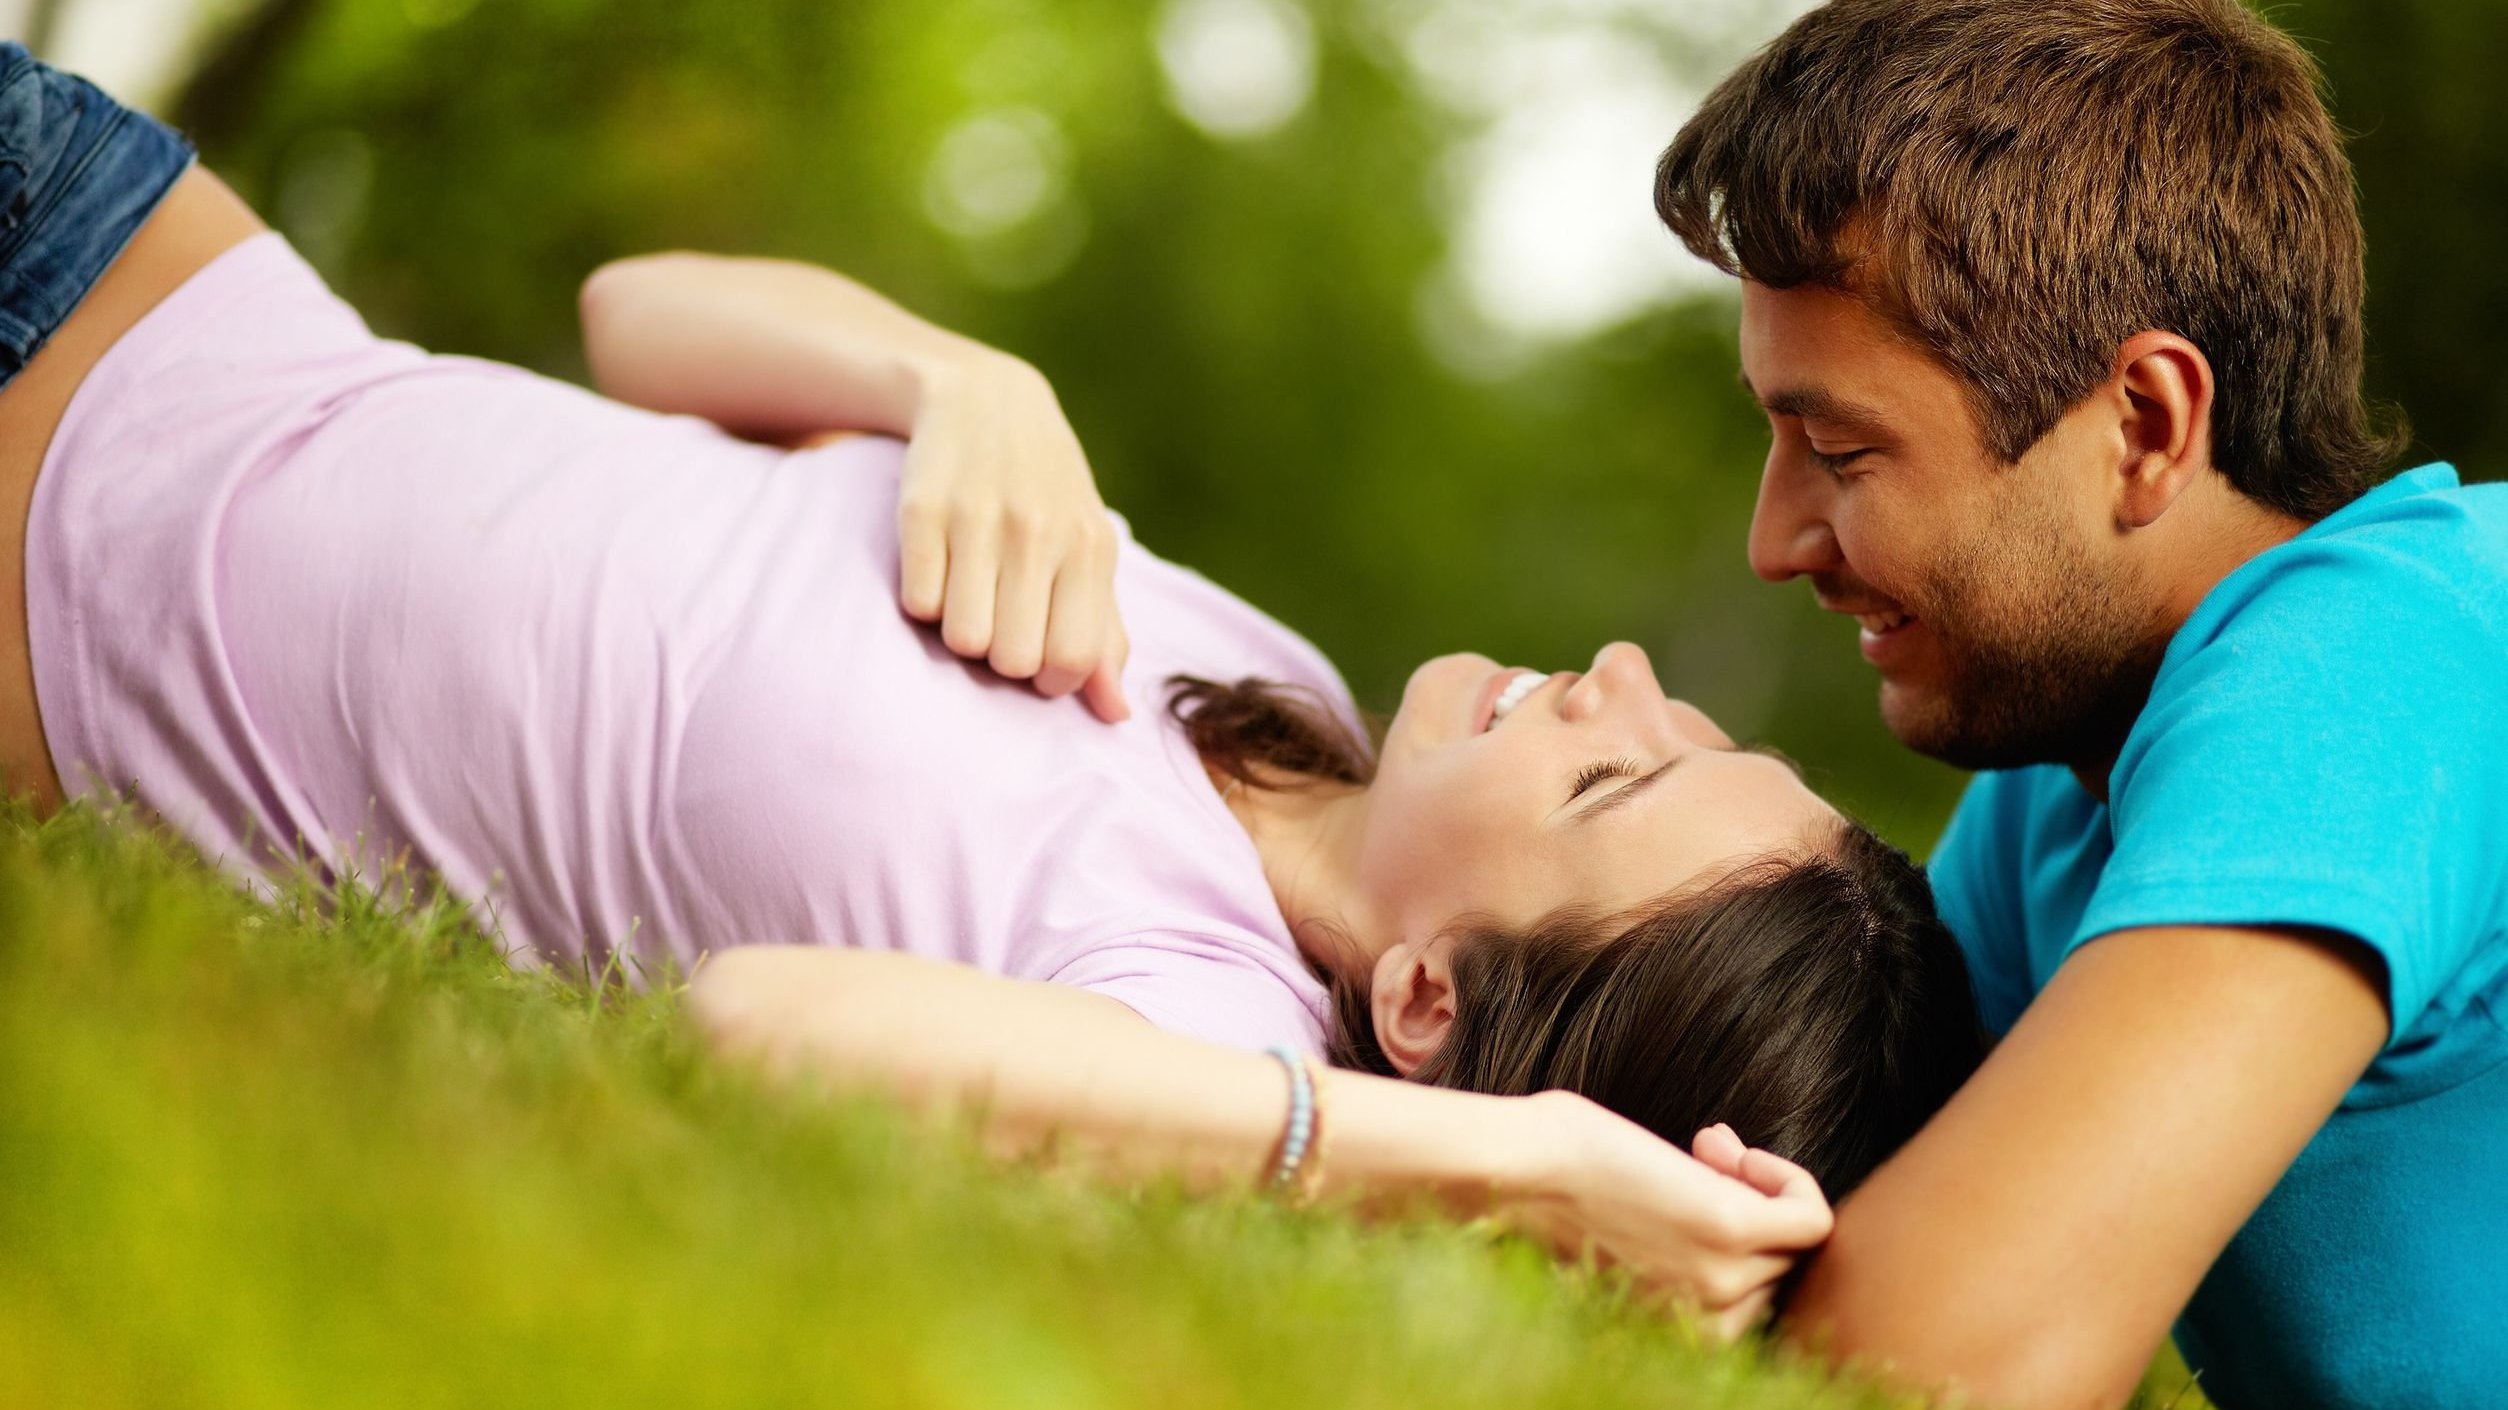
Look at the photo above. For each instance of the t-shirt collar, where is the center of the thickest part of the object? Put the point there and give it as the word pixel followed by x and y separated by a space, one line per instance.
pixel 2426 479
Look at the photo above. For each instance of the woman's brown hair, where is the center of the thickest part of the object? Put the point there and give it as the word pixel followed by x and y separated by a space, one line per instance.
pixel 1813 1002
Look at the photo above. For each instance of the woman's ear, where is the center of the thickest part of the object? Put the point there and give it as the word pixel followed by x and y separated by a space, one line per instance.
pixel 1413 1000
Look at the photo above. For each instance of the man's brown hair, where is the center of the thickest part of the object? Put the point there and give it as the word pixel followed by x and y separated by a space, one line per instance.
pixel 2020 186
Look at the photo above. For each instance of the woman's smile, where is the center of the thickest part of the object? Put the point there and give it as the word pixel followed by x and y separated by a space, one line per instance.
pixel 1512 686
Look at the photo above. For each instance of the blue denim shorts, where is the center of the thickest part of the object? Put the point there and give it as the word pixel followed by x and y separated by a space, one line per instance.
pixel 79 174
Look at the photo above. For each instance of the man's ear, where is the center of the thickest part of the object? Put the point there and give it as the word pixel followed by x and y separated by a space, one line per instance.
pixel 2166 403
pixel 1413 1000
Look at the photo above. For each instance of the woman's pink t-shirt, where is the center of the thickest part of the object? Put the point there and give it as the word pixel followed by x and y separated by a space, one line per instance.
pixel 627 685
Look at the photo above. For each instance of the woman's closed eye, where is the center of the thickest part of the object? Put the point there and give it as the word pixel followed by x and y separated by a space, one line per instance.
pixel 1594 774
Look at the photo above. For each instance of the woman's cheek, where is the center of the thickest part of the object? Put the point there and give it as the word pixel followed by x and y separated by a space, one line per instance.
pixel 1424 854
pixel 1470 844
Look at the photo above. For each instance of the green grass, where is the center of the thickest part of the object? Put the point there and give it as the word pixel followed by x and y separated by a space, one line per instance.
pixel 319 1153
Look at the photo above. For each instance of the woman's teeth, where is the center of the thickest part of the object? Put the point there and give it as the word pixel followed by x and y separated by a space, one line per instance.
pixel 1517 692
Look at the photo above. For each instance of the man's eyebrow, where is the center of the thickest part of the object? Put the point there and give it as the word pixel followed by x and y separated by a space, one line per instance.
pixel 1820 404
pixel 1622 796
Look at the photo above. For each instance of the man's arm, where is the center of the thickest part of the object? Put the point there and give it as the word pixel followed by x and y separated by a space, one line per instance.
pixel 2034 1242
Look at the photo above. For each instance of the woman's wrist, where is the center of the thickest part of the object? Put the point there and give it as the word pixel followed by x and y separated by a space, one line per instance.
pixel 1471 1153
pixel 1547 1137
pixel 949 375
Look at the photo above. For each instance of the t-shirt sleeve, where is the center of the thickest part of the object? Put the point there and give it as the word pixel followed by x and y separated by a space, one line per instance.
pixel 1202 987
pixel 1977 888
pixel 2328 756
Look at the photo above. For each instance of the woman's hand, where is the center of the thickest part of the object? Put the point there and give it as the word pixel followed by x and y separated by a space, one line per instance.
pixel 1003 540
pixel 1715 1237
pixel 1006 545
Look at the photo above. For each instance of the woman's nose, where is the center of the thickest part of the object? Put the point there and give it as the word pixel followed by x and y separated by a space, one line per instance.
pixel 1620 673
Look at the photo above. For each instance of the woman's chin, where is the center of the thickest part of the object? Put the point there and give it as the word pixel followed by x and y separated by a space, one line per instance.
pixel 1438 699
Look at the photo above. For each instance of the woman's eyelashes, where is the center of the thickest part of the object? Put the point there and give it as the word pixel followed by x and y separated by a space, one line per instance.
pixel 1594 774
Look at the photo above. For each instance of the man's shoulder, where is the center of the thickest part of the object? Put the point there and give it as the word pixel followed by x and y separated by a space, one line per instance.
pixel 2421 539
pixel 2355 657
pixel 2413 572
pixel 2423 529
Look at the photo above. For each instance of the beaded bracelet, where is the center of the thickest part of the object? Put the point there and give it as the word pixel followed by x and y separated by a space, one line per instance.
pixel 1297 1161
pixel 1311 1178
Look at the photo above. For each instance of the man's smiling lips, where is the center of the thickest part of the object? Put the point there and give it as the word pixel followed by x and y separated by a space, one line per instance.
pixel 1885 633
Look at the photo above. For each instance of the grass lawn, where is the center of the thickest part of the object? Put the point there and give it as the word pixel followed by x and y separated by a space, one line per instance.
pixel 316 1153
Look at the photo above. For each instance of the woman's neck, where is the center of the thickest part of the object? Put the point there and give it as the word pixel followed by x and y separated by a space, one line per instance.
pixel 1306 832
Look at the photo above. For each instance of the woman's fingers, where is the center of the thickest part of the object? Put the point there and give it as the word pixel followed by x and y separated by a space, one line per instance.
pixel 1014 560
pixel 1720 1150
pixel 1734 1322
pixel 1075 632
pixel 974 577
pixel 1091 657
pixel 1023 602
pixel 1775 1176
pixel 1036 608
pixel 1793 1214
pixel 1713 1236
pixel 1002 538
pixel 1104 688
pixel 922 556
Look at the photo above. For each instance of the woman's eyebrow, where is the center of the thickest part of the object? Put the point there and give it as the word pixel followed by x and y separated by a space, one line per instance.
pixel 1770 751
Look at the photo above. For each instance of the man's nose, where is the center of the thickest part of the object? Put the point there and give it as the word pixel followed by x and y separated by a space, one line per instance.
pixel 1789 527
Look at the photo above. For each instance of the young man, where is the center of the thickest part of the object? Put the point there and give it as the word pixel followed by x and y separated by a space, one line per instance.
pixel 2055 314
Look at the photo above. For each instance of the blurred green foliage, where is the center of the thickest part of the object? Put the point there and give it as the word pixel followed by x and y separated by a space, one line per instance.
pixel 1233 324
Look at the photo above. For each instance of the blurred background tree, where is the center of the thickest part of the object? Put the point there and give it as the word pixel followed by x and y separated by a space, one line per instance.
pixel 1359 307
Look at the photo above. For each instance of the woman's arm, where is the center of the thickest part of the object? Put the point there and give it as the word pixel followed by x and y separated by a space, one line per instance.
pixel 1003 540
pixel 1044 1064
pixel 770 349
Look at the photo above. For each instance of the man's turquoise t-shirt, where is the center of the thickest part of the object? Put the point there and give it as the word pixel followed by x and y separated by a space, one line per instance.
pixel 2326 745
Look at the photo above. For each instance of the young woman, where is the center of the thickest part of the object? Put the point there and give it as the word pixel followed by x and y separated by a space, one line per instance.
pixel 636 686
